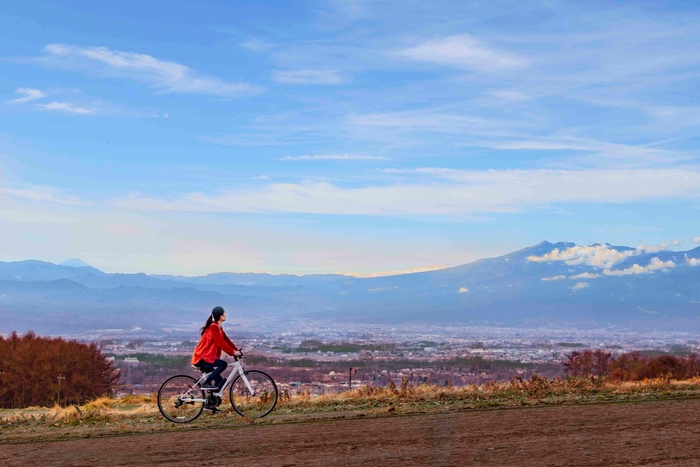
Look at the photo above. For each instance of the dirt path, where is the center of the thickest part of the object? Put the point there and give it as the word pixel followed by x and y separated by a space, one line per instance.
pixel 660 433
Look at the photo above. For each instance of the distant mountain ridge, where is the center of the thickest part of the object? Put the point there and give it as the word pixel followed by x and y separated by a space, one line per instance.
pixel 561 284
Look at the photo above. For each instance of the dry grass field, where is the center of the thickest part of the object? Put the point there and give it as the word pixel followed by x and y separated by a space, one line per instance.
pixel 131 415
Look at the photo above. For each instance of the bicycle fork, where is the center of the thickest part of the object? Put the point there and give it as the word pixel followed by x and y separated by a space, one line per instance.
pixel 247 383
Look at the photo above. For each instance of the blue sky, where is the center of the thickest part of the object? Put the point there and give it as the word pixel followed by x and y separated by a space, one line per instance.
pixel 357 137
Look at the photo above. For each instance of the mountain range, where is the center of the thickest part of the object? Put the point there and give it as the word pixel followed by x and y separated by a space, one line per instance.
pixel 548 284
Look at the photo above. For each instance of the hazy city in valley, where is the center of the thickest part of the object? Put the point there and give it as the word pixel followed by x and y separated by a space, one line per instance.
pixel 319 362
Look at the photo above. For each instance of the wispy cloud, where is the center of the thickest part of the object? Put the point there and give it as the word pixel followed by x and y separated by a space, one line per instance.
pixel 307 77
pixel 678 241
pixel 692 261
pixel 580 285
pixel 333 157
pixel 67 107
pixel 462 51
pixel 439 121
pixel 41 194
pixel 600 149
pixel 33 217
pixel 462 192
pixel 696 239
pixel 509 95
pixel 166 76
pixel 258 45
pixel 28 95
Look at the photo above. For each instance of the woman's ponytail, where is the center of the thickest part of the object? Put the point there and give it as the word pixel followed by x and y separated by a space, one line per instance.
pixel 216 313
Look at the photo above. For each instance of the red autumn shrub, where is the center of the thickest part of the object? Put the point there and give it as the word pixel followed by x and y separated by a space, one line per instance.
pixel 631 366
pixel 587 363
pixel 32 368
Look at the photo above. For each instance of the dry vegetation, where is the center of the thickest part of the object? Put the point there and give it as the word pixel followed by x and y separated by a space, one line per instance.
pixel 106 416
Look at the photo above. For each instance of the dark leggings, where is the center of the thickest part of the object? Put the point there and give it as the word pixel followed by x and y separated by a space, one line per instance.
pixel 214 369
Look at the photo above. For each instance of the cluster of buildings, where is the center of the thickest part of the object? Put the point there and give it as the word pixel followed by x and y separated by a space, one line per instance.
pixel 331 359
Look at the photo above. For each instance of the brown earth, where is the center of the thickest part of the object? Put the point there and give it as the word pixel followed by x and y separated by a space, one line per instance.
pixel 650 433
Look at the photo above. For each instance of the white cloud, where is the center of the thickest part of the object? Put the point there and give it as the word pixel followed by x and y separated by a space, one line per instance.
pixel 460 192
pixel 164 75
pixel 332 157
pixel 463 290
pixel 462 51
pixel 653 248
pixel 599 256
pixel 678 241
pixel 554 278
pixel 67 107
pixel 696 240
pixel 28 95
pixel 307 77
pixel 654 265
pixel 585 275
pixel 692 261
pixel 580 285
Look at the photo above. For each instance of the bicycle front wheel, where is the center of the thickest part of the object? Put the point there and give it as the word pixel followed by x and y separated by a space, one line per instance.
pixel 179 401
pixel 261 401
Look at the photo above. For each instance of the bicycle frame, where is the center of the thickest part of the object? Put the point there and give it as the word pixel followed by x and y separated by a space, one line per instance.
pixel 236 370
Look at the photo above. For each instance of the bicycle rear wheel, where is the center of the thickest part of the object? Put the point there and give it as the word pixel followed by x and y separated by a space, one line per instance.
pixel 258 404
pixel 179 401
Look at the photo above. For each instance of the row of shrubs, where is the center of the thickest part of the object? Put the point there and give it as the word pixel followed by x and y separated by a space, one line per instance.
pixel 631 366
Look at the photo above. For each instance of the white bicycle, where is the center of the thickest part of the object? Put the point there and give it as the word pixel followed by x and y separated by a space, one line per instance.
pixel 252 393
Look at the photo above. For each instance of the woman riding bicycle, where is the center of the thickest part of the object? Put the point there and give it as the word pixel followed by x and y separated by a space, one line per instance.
pixel 253 393
pixel 207 354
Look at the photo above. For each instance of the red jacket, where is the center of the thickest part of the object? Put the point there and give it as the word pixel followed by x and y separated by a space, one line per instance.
pixel 213 341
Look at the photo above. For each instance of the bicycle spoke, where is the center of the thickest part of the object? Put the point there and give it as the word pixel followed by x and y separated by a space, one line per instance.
pixel 178 401
pixel 258 404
